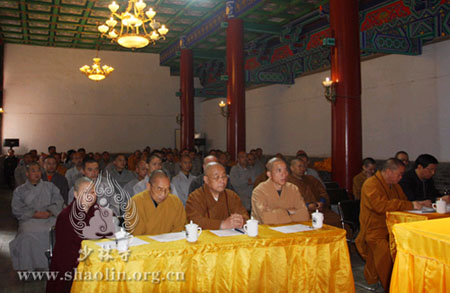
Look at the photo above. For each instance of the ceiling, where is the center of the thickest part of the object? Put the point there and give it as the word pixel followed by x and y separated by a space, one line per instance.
pixel 73 23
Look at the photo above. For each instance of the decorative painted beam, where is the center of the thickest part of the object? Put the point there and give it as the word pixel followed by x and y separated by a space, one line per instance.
pixel 262 28
pixel 207 93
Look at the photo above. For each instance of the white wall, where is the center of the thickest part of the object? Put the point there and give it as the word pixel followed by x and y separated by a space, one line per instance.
pixel 405 105
pixel 48 101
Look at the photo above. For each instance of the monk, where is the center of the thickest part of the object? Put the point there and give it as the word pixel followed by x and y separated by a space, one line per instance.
pixel 212 206
pixel 50 174
pixel 313 192
pixel 158 211
pixel 20 173
pixel 75 172
pixel 381 193
pixel 140 173
pixel 242 178
pixel 68 238
pixel 183 179
pixel 35 204
pixel 119 172
pixel 368 169
pixel 276 201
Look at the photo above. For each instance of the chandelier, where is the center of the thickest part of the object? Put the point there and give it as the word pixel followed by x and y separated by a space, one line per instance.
pixel 97 72
pixel 133 33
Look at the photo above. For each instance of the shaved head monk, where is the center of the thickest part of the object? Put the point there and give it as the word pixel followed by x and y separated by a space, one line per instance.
pixel 380 193
pixel 212 206
pixel 276 201
pixel 158 210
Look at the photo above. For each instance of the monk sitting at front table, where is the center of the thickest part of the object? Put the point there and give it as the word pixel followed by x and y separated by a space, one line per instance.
pixel 276 201
pixel 212 206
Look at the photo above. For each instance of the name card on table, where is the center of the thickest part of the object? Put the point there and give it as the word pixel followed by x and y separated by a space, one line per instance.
pixel 169 237
pixel 292 228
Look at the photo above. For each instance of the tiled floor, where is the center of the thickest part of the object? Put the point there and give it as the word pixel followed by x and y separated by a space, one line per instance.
pixel 8 278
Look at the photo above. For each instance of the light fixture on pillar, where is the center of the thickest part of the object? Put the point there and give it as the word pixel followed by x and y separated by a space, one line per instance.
pixel 223 109
pixel 133 33
pixel 179 118
pixel 330 89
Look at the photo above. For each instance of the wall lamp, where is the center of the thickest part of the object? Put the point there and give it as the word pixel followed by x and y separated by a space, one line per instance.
pixel 330 89
pixel 223 109
pixel 178 118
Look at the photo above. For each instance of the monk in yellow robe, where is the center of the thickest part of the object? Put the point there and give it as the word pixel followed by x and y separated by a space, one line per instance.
pixel 212 206
pixel 368 169
pixel 276 201
pixel 313 192
pixel 157 211
pixel 381 193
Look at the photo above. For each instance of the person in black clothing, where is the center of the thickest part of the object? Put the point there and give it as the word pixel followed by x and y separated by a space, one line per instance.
pixel 418 183
pixel 9 166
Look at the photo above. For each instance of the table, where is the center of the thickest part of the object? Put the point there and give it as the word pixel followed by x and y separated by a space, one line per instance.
pixel 422 263
pixel 393 218
pixel 311 261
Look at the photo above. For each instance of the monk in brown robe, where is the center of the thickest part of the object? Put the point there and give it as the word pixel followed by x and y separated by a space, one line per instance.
pixel 158 211
pixel 212 206
pixel 368 169
pixel 260 179
pixel 313 192
pixel 68 238
pixel 380 194
pixel 276 201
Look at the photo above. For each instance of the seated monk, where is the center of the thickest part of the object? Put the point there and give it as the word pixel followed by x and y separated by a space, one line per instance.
pixel 380 193
pixel 313 192
pixel 157 210
pixel 368 169
pixel 35 204
pixel 276 201
pixel 68 238
pixel 212 206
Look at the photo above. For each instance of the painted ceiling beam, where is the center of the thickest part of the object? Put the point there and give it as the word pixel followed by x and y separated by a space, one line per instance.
pixel 262 28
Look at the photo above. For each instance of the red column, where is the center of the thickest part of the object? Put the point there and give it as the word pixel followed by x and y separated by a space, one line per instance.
pixel 187 99
pixel 346 111
pixel 235 87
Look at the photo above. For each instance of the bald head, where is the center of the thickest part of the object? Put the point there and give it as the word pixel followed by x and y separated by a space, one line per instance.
pixel 211 167
pixel 271 162
pixel 215 178
pixel 209 159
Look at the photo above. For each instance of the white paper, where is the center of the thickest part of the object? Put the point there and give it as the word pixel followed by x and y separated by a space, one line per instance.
pixel 424 210
pixel 169 237
pixel 112 244
pixel 292 228
pixel 226 232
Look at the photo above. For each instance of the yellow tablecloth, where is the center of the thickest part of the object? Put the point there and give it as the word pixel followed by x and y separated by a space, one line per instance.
pixel 423 257
pixel 393 218
pixel 311 261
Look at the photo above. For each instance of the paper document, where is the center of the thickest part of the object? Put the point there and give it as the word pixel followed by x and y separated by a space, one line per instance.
pixel 225 233
pixel 292 228
pixel 112 244
pixel 169 237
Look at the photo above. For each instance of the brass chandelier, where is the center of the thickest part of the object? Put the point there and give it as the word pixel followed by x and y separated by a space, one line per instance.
pixel 97 72
pixel 133 33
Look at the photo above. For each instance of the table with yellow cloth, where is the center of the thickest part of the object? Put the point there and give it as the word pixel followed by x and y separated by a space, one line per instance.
pixel 310 261
pixel 422 263
pixel 393 218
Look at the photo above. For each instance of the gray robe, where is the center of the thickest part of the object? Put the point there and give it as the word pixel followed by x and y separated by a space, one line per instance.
pixel 239 180
pixel 61 182
pixel 72 175
pixel 181 183
pixel 20 175
pixel 171 168
pixel 122 178
pixel 142 185
pixel 27 250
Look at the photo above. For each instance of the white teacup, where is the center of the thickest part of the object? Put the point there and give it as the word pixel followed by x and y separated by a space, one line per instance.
pixel 317 219
pixel 193 231
pixel 440 206
pixel 251 228
pixel 123 240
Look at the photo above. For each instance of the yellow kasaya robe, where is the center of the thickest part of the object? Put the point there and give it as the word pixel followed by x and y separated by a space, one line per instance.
pixel 168 216
pixel 358 182
pixel 268 207
pixel 313 191
pixel 377 198
pixel 205 211
pixel 260 179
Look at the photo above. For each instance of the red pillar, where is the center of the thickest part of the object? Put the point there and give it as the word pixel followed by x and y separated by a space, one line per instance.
pixel 346 111
pixel 187 99
pixel 235 87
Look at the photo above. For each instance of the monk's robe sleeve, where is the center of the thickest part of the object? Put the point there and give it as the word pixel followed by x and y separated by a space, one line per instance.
pixel 180 216
pixel 300 211
pixel 357 185
pixel 236 206
pixel 264 213
pixel 197 212
pixel 19 209
pixel 322 193
pixel 377 202
pixel 56 202
pixel 137 218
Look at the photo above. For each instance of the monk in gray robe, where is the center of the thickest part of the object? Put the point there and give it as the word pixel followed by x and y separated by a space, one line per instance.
pixel 276 201
pixel 242 179
pixel 35 204
pixel 184 178
pixel 20 173
pixel 75 172
pixel 119 173
pixel 141 171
